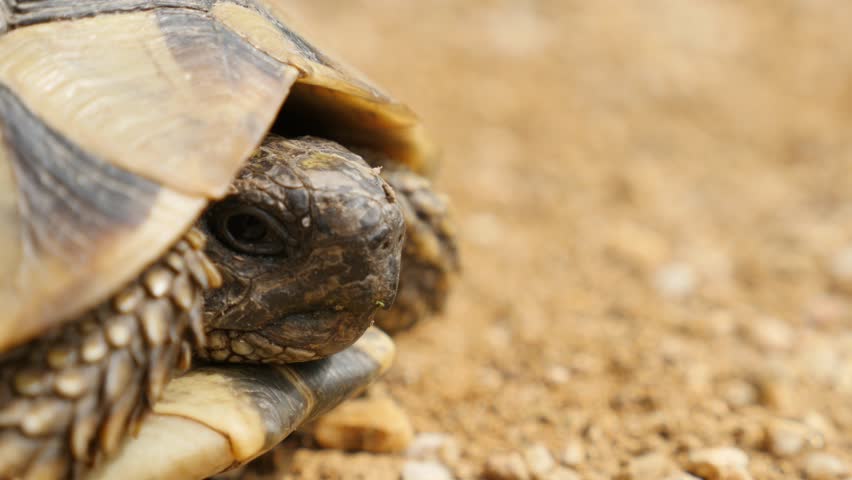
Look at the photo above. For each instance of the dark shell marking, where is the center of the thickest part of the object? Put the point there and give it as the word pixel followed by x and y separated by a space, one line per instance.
pixel 57 180
pixel 190 36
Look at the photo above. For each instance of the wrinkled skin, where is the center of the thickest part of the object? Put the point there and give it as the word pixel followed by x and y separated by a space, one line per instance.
pixel 308 242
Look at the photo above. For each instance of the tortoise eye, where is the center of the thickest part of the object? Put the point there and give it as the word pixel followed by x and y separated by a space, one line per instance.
pixel 250 230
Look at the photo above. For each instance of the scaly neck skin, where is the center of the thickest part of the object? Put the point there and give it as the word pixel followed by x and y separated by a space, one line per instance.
pixel 308 243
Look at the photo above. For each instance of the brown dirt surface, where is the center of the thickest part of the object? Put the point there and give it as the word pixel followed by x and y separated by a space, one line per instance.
pixel 654 201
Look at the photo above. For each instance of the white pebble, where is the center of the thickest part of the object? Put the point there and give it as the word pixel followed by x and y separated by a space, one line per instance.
pixel 573 454
pixel 785 438
pixel 558 375
pixel 824 466
pixel 538 460
pixel 720 456
pixel 426 445
pixel 650 465
pixel 723 463
pixel 841 266
pixel 771 334
pixel 740 393
pixel 425 471
pixel 675 280
pixel 506 467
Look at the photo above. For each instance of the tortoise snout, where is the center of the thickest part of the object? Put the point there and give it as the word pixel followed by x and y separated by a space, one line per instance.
pixel 357 210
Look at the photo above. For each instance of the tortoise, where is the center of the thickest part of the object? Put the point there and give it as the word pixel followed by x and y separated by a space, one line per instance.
pixel 186 178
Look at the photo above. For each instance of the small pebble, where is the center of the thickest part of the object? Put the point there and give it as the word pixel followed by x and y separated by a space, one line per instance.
pixel 827 311
pixel 636 245
pixel 778 396
pixel 675 280
pixel 824 466
pixel 425 471
pixel 372 424
pixel 720 456
pixel 539 460
pixel 821 426
pixel 573 454
pixel 771 334
pixel 427 445
pixel 785 438
pixel 557 375
pixel 840 268
pixel 498 337
pixel 826 362
pixel 650 465
pixel 719 323
pixel 490 378
pixel 740 393
pixel 506 467
pixel 722 463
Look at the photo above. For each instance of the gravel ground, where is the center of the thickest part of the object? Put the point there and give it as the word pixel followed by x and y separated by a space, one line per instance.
pixel 655 207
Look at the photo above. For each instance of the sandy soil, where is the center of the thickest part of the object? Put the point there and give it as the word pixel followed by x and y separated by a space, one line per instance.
pixel 655 208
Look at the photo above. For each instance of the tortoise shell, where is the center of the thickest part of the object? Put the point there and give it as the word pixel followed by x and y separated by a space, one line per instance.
pixel 120 120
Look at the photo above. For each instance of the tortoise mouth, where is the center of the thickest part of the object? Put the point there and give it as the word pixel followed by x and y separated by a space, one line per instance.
pixel 294 337
pixel 295 318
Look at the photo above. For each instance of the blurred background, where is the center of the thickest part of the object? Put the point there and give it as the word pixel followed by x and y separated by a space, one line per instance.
pixel 655 208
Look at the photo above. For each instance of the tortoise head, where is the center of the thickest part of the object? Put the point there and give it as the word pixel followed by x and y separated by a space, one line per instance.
pixel 308 241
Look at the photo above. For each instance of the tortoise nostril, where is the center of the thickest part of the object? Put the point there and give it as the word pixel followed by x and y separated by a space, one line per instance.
pixel 382 239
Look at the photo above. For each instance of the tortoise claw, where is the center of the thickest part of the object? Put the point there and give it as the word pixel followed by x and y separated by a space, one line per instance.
pixel 215 418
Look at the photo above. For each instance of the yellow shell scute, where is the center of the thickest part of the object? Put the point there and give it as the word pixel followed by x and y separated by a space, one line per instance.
pixel 211 400
pixel 262 34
